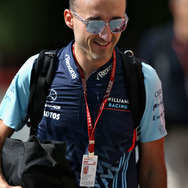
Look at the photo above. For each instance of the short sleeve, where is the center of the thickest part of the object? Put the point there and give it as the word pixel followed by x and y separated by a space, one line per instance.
pixel 13 108
pixel 152 125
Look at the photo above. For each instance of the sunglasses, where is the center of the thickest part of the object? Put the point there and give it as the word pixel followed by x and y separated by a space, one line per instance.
pixel 97 26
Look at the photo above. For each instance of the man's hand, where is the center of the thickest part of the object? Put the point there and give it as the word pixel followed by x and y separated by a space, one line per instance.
pixel 4 184
pixel 4 133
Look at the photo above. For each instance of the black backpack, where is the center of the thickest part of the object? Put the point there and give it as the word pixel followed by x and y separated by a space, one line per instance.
pixel 43 73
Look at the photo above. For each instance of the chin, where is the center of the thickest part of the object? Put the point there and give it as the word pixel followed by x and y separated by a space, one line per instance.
pixel 102 55
pixel 103 59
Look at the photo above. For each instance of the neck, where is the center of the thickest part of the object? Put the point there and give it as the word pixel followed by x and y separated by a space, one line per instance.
pixel 87 63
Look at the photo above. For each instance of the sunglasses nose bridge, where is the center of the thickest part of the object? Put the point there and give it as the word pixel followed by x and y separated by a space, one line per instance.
pixel 106 33
pixel 106 24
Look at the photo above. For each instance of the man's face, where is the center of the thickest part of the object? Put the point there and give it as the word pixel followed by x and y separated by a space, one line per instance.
pixel 96 47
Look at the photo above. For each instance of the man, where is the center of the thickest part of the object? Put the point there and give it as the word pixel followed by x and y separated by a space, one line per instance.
pixel 75 106
pixel 166 49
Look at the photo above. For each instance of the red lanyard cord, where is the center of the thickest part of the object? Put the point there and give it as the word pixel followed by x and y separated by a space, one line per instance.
pixel 91 128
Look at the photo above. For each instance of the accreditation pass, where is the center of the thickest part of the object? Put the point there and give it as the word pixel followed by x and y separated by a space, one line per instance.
pixel 88 171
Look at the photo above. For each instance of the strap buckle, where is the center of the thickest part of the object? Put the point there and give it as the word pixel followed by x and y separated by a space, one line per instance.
pixel 129 53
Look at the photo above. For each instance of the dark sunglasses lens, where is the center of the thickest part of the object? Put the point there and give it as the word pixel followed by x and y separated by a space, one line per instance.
pixel 117 26
pixel 95 26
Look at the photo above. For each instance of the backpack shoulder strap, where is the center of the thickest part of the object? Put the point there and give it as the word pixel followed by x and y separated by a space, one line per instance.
pixel 134 80
pixel 41 78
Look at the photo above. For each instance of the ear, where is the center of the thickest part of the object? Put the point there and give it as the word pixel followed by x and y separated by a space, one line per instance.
pixel 68 17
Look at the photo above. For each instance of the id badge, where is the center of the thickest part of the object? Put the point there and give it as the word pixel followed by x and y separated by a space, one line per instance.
pixel 88 171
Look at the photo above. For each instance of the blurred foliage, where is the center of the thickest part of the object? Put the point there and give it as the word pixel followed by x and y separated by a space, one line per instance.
pixel 20 24
pixel 27 26
pixel 143 14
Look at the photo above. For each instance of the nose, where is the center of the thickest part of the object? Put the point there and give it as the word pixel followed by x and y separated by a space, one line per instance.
pixel 106 33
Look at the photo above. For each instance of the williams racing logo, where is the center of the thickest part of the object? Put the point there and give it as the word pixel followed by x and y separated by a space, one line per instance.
pixel 117 104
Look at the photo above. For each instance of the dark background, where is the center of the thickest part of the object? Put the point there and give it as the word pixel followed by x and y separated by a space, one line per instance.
pixel 27 26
